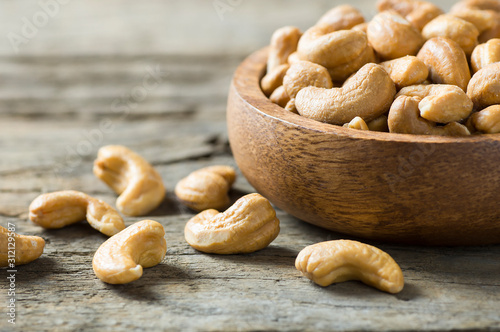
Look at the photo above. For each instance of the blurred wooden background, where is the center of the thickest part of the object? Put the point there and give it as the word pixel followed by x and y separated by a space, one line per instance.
pixel 73 77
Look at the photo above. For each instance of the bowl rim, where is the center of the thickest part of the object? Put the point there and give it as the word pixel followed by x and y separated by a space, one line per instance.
pixel 246 81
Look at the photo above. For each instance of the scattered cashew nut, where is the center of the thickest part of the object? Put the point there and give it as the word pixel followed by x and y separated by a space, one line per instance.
pixel 487 120
pixel 485 54
pixel 303 74
pixel 62 208
pixel 206 188
pixel 367 94
pixel 484 86
pixel 283 43
pixel 247 226
pixel 273 79
pixel 406 71
pixel 122 257
pixel 417 12
pixel 16 249
pixel 279 96
pixel 139 185
pixel 357 123
pixel 343 17
pixel 404 118
pixel 342 260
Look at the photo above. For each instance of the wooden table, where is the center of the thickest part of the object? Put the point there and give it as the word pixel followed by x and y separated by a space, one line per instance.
pixel 80 84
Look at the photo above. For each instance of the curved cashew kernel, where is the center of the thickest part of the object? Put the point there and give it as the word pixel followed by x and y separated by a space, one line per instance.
pixel 342 17
pixel 206 188
pixel 122 257
pixel 247 226
pixel 406 71
pixel 62 208
pixel 27 248
pixel 446 62
pixel 485 54
pixel 342 72
pixel 367 94
pixel 279 96
pixel 342 260
pixel 487 120
pixel 283 43
pixel 357 123
pixel 441 103
pixel 404 118
pixel 482 19
pixel 391 36
pixel 418 13
pixel 465 34
pixel 328 48
pixel 303 74
pixel 273 79
pixel 477 4
pixel 484 86
pixel 379 124
pixel 139 185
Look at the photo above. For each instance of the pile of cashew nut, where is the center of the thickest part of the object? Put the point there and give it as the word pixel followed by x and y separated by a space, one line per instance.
pixel 412 69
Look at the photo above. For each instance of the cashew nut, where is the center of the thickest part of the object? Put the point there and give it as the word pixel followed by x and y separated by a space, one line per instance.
pixel 62 208
pixel 406 71
pixel 477 4
pixel 485 54
pixel 391 36
pixel 482 19
pixel 404 118
pixel 441 103
pixel 247 226
pixel 122 257
pixel 342 260
pixel 279 96
pixel 341 72
pixel 464 33
pixel 283 43
pixel 484 86
pixel 343 17
pixel 379 124
pixel 206 188
pixel 16 249
pixel 417 12
pixel 487 120
pixel 357 123
pixel 139 185
pixel 303 74
pixel 273 79
pixel 446 62
pixel 367 94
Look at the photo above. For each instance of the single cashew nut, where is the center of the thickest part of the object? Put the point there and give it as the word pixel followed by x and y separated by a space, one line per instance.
pixel 303 74
pixel 335 261
pixel 392 36
pixel 206 188
pixel 279 96
pixel 247 226
pixel 122 257
pixel 16 249
pixel 62 208
pixel 404 118
pixel 139 185
pixel 343 17
pixel 367 94
pixel 487 120
pixel 482 19
pixel 484 86
pixel 485 54
pixel 464 33
pixel 341 72
pixel 446 62
pixel 441 103
pixel 273 79
pixel 283 43
pixel 406 71
pixel 417 12
pixel 357 123
pixel 329 48
pixel 477 4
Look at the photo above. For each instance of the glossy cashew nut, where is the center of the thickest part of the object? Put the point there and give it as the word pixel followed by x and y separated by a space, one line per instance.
pixel 16 249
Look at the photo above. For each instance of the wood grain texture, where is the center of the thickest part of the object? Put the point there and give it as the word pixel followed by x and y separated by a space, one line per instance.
pixel 391 187
pixel 57 91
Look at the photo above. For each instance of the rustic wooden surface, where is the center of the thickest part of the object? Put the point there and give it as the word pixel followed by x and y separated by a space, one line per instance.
pixel 76 86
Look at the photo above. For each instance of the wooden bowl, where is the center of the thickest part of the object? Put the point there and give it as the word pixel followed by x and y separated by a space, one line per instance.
pixel 410 189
